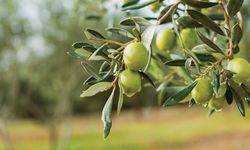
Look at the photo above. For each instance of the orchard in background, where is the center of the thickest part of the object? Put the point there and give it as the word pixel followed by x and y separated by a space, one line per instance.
pixel 193 61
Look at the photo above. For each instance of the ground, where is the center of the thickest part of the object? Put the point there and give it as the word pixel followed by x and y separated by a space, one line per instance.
pixel 173 128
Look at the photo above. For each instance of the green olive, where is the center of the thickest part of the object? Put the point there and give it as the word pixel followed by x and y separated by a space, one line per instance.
pixel 241 68
pixel 155 6
pixel 217 103
pixel 203 91
pixel 130 82
pixel 135 56
pixel 165 39
pixel 189 38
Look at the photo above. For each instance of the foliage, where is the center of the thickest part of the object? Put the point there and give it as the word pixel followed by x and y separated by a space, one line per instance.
pixel 220 33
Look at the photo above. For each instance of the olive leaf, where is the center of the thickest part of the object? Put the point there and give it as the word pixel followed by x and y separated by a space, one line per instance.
pixel 130 2
pixel 82 52
pixel 96 88
pixel 139 5
pixel 203 49
pixel 177 62
pixel 205 21
pixel 80 44
pixel 93 35
pixel 90 70
pixel 236 34
pixel 106 115
pixel 208 42
pixel 234 6
pixel 180 95
pixel 188 22
pixel 147 38
pixel 132 21
pixel 167 13
pixel 216 81
pixel 98 54
pixel 74 55
pixel 120 100
pixel 144 75
pixel 163 12
pixel 239 102
pixel 120 31
pixel 200 4
pixel 229 95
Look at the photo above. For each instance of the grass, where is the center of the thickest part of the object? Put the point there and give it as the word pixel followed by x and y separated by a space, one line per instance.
pixel 174 128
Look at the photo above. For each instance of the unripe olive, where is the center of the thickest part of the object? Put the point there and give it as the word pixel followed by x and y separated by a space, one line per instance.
pixel 217 103
pixel 189 38
pixel 165 39
pixel 203 91
pixel 155 6
pixel 130 82
pixel 135 56
pixel 241 68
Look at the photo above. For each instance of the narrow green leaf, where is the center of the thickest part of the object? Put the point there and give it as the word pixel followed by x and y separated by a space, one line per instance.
pixel 82 52
pixel 180 96
pixel 200 4
pixel 93 35
pixel 147 36
pixel 216 81
pixel 205 57
pixel 236 34
pixel 205 21
pixel 98 54
pixel 120 31
pixel 234 6
pixel 106 115
pixel 203 49
pixel 139 5
pixel 177 62
pixel 239 102
pixel 229 95
pixel 130 2
pixel 90 70
pixel 144 75
pixel 80 44
pixel 131 21
pixel 120 101
pixel 96 88
pixel 188 22
pixel 209 43
pixel 74 55
pixel 167 13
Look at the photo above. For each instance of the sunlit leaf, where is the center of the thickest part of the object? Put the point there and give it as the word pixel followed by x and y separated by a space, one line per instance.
pixel 209 43
pixel 131 21
pixel 200 4
pixel 93 35
pixel 205 21
pixel 139 5
pixel 180 95
pixel 96 88
pixel 106 115
pixel 90 70
pixel 239 102
pixel 120 31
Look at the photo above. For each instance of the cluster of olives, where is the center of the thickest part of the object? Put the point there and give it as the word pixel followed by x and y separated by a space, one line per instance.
pixel 166 39
pixel 135 57
pixel 203 92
